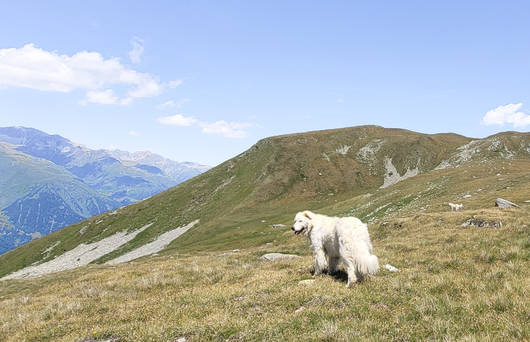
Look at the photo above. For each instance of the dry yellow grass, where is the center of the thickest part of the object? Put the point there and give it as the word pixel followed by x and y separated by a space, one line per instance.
pixel 454 283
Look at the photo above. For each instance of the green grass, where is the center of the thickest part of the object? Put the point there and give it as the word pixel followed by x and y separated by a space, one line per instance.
pixel 454 283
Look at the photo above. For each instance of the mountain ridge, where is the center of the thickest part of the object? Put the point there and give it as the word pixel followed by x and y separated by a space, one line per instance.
pixel 71 180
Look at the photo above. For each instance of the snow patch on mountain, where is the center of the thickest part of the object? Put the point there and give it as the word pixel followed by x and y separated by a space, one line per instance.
pixel 368 154
pixel 369 151
pixel 392 176
pixel 153 247
pixel 465 153
pixel 81 255
pixel 343 150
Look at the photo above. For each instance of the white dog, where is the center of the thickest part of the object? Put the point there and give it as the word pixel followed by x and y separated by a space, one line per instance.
pixel 455 207
pixel 343 239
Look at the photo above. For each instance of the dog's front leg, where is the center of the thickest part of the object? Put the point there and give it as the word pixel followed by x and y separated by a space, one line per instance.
pixel 320 261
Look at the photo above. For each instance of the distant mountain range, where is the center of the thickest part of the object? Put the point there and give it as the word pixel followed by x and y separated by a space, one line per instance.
pixel 49 182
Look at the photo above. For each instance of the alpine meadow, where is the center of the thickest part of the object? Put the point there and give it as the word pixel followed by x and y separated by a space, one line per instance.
pixel 462 275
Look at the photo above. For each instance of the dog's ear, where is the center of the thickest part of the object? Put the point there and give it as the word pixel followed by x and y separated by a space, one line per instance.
pixel 308 214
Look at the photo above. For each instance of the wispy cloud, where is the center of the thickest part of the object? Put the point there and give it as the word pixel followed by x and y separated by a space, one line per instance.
pixel 172 104
pixel 35 68
pixel 177 120
pixel 226 129
pixel 101 97
pixel 507 114
pixel 137 50
pixel 175 83
pixel 133 133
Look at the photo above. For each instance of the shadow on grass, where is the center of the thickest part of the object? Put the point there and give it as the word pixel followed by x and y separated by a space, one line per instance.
pixel 340 275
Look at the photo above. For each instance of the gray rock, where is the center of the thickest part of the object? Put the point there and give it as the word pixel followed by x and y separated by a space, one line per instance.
pixel 83 230
pixel 476 222
pixel 391 268
pixel 279 225
pixel 278 256
pixel 108 339
pixel 502 203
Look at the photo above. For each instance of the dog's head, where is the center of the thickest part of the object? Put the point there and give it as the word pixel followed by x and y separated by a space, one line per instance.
pixel 303 222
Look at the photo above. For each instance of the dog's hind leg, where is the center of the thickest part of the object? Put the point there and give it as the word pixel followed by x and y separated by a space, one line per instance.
pixel 333 265
pixel 359 275
pixel 349 265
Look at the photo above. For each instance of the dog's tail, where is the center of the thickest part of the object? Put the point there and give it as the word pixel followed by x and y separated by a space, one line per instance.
pixel 366 263
pixel 369 264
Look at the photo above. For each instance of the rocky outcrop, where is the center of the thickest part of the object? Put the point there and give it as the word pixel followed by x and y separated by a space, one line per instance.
pixel 480 223
pixel 502 203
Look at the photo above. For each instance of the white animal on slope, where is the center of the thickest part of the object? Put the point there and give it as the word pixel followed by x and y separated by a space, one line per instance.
pixel 455 207
pixel 343 239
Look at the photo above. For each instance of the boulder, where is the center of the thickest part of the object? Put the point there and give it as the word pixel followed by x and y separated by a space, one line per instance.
pixel 300 309
pixel 278 256
pixel 480 223
pixel 391 268
pixel 502 203
pixel 108 339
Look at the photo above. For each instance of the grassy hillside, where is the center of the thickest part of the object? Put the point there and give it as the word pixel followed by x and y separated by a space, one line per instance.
pixel 277 175
pixel 281 175
pixel 456 282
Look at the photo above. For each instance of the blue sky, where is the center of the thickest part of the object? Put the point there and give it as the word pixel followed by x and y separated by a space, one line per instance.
pixel 204 80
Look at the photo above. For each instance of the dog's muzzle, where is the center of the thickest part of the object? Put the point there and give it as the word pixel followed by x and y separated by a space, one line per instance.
pixel 296 232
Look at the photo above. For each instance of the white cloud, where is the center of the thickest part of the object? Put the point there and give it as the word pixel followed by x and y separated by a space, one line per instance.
pixel 226 129
pixel 166 105
pixel 175 83
pixel 126 101
pixel 133 133
pixel 137 50
pixel 35 68
pixel 507 114
pixel 177 120
pixel 101 97
pixel 172 104
pixel 221 127
pixel 340 100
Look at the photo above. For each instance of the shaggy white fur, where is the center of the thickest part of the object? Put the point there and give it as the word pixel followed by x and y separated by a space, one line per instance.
pixel 339 239
pixel 455 207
